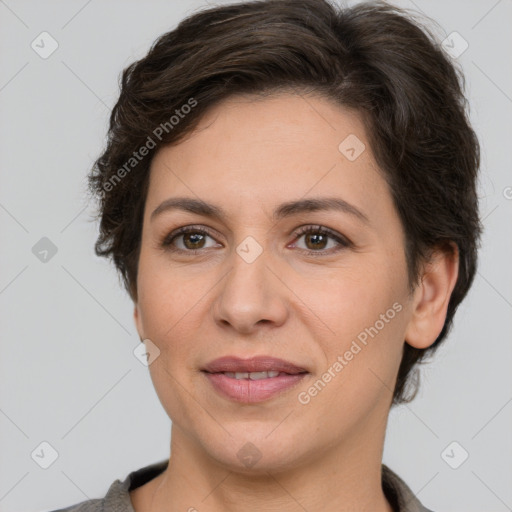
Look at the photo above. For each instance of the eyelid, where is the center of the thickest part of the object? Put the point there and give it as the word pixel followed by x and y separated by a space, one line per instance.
pixel 167 239
pixel 342 241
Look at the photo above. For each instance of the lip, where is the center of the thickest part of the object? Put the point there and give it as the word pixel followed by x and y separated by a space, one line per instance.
pixel 252 391
pixel 252 364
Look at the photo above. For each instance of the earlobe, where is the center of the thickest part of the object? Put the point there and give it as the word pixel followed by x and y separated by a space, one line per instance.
pixel 138 321
pixel 432 296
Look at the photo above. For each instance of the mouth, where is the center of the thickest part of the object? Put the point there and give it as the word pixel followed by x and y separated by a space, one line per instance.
pixel 252 380
pixel 253 375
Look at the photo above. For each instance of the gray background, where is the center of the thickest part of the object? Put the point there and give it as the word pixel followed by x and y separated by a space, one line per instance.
pixel 68 374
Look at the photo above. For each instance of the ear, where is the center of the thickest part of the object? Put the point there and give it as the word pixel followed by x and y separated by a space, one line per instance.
pixel 138 321
pixel 432 295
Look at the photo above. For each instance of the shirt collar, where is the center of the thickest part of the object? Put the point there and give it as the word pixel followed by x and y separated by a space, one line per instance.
pixel 397 492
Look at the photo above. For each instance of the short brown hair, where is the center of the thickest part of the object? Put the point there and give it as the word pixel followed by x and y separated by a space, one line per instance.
pixel 371 57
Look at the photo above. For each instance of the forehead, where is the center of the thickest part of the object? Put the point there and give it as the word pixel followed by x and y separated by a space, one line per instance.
pixel 251 151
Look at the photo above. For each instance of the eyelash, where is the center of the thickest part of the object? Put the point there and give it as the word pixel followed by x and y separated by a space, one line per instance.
pixel 319 230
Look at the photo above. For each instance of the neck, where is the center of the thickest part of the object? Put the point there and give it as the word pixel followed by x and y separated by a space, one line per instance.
pixel 344 478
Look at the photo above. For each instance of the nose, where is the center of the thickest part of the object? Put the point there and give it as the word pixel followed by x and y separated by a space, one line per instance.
pixel 251 295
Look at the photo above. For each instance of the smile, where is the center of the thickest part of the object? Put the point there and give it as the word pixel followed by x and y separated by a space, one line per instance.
pixel 252 375
pixel 252 380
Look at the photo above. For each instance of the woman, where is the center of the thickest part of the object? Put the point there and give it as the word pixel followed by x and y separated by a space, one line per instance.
pixel 288 192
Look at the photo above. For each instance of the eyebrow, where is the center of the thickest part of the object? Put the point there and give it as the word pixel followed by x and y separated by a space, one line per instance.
pixel 284 210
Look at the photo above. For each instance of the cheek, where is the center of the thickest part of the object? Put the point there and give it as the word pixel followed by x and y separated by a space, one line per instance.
pixel 362 356
pixel 366 315
pixel 352 300
pixel 168 305
pixel 166 296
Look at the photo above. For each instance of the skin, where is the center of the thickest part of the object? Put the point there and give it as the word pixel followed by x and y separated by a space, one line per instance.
pixel 248 156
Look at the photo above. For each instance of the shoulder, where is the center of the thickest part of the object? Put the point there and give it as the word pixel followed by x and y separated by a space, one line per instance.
pixel 399 494
pixel 96 505
pixel 118 494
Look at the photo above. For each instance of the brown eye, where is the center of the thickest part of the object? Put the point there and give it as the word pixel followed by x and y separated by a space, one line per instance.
pixel 187 239
pixel 193 240
pixel 316 240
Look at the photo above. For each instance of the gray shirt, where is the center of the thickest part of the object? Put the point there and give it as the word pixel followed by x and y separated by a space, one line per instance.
pixel 117 499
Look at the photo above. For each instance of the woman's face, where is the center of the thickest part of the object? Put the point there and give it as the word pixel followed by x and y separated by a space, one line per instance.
pixel 247 291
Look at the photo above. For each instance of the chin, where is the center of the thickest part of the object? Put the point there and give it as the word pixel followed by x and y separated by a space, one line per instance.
pixel 251 450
